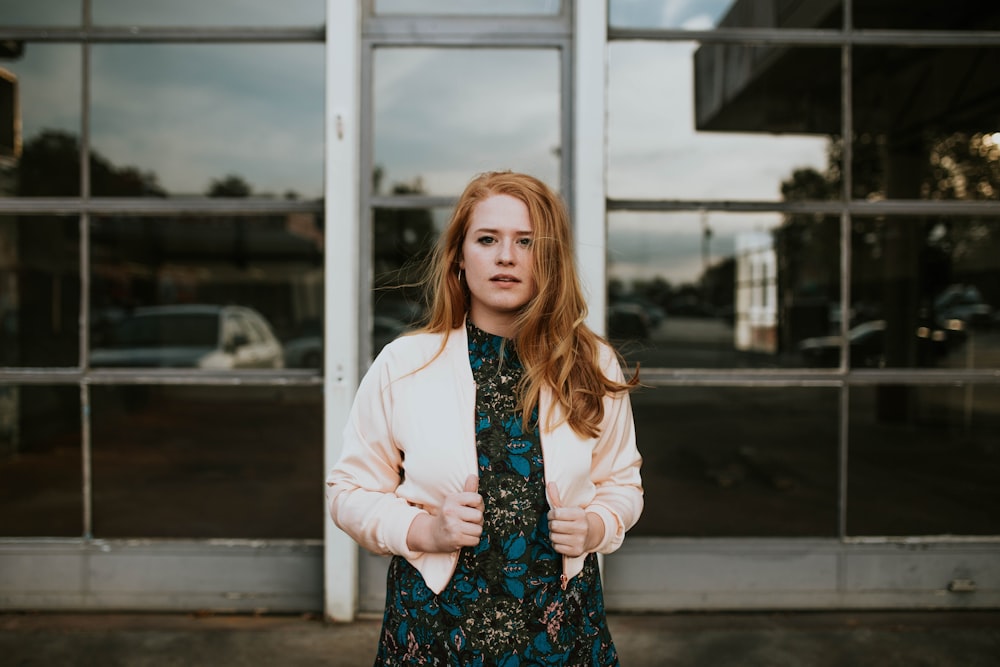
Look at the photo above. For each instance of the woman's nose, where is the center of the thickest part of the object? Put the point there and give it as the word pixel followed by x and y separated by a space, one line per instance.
pixel 505 252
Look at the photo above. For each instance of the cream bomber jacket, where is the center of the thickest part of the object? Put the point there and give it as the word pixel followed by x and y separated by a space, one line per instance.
pixel 410 441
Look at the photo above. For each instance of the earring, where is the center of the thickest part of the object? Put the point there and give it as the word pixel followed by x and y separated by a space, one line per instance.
pixel 460 276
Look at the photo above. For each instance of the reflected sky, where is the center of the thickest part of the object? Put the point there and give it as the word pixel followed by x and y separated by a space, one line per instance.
pixel 195 113
pixel 653 147
pixel 468 7
pixel 443 115
pixel 642 246
pixel 49 87
pixel 686 14
pixel 209 13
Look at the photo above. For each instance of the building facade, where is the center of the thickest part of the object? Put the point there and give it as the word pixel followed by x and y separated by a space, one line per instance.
pixel 213 214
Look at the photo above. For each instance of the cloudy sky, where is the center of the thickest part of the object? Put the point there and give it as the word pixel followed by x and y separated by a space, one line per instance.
pixel 192 113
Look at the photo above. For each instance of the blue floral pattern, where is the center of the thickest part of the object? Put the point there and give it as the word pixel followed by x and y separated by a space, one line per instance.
pixel 504 604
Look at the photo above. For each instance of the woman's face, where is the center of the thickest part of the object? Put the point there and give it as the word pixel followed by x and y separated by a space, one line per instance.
pixel 496 260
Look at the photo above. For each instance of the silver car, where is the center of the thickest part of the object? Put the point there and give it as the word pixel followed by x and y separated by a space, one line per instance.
pixel 209 337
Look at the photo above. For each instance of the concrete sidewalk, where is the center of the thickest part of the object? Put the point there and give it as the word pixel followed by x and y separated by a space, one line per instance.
pixel 822 639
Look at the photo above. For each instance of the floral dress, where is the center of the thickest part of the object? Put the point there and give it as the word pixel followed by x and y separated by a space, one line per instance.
pixel 505 604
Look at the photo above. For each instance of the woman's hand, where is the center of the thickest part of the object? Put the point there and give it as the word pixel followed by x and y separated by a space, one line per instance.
pixel 574 532
pixel 457 524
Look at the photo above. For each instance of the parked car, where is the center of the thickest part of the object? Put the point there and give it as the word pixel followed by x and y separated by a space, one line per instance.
pixel 628 321
pixel 867 343
pixel 962 306
pixel 190 336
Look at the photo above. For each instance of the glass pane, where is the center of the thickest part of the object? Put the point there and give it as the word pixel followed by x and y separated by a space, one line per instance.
pixel 468 7
pixel 208 120
pixel 39 291
pixel 926 15
pixel 210 293
pixel 444 115
pixel 402 242
pixel 44 13
pixel 708 14
pixel 924 460
pixel 200 13
pixel 237 462
pixel 41 480
pixel 925 292
pixel 718 121
pixel 746 462
pixel 720 290
pixel 926 123
pixel 40 115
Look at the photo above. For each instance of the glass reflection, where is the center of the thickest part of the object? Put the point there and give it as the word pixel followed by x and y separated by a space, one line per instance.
pixel 41 479
pixel 469 7
pixel 40 112
pixel 47 13
pixel 211 293
pixel 708 14
pixel 207 462
pixel 199 13
pixel 927 290
pixel 747 462
pixel 926 15
pixel 926 123
pixel 720 290
pixel 209 120
pixel 681 125
pixel 443 115
pixel 402 242
pixel 39 291
pixel 924 460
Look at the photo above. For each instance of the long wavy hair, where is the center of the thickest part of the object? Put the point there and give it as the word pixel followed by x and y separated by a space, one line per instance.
pixel 554 344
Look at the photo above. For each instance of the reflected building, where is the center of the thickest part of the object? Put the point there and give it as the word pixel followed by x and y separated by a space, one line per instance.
pixel 785 212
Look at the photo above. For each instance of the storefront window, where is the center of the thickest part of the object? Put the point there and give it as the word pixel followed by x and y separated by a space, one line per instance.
pixel 468 7
pixel 721 290
pixel 925 292
pixel 204 462
pixel 901 15
pixel 924 460
pixel 39 291
pixel 708 14
pixel 39 140
pixel 41 478
pixel 201 13
pixel 701 122
pixel 443 115
pixel 742 462
pixel 47 13
pixel 209 293
pixel 926 123
pixel 199 120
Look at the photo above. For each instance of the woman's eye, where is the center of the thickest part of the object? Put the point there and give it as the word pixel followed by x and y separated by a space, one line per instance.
pixel 524 243
pixel 486 240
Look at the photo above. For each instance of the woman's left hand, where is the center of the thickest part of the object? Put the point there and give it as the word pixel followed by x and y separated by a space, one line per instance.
pixel 573 530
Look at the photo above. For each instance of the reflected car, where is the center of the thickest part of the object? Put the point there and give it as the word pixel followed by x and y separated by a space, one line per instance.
pixel 867 343
pixel 211 337
pixel 628 321
pixel 962 306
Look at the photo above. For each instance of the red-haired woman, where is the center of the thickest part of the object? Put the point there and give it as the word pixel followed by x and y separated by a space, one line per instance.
pixel 492 453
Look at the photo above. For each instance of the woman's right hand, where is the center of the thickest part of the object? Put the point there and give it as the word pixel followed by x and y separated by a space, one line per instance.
pixel 458 523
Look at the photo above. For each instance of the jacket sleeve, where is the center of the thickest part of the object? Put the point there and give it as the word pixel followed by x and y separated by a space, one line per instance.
pixel 615 467
pixel 361 487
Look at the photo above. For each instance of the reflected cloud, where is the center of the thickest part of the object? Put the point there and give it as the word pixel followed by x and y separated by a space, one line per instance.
pixel 213 110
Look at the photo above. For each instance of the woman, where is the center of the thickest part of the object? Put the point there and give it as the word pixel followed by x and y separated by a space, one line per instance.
pixel 493 452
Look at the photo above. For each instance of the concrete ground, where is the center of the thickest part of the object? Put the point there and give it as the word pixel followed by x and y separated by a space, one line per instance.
pixel 821 639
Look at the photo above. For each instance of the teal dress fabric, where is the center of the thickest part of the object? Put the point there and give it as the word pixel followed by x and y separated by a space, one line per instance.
pixel 505 604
